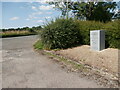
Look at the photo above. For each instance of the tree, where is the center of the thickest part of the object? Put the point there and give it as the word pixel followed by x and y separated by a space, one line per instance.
pixel 98 11
pixel 117 15
pixel 62 6
pixel 117 12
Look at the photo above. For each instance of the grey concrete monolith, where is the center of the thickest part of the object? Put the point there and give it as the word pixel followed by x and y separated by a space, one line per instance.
pixel 97 40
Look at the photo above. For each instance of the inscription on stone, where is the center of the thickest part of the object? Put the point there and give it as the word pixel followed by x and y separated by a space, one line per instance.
pixel 97 40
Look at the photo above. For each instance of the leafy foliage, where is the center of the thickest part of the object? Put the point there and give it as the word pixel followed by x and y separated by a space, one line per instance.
pixel 98 11
pixel 85 27
pixel 113 34
pixel 66 33
pixel 62 6
pixel 61 33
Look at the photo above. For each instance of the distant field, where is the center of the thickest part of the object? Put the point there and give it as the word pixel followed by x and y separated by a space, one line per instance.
pixel 15 33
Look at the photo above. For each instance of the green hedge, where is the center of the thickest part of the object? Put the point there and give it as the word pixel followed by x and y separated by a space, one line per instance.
pixel 85 27
pixel 112 34
pixel 66 33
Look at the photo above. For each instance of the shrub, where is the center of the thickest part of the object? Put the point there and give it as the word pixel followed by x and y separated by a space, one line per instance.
pixel 85 27
pixel 65 33
pixel 112 34
pixel 61 33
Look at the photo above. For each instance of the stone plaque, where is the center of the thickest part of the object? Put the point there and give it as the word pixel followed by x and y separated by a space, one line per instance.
pixel 97 40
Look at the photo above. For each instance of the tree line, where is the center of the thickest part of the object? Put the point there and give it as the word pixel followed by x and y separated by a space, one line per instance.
pixel 97 11
pixel 32 29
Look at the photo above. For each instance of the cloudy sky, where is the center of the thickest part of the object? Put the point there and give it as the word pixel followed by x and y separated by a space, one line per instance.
pixel 20 14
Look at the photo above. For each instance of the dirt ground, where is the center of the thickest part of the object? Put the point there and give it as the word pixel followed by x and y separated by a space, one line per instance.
pixel 106 60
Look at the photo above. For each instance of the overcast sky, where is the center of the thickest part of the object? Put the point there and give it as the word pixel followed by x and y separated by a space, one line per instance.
pixel 21 14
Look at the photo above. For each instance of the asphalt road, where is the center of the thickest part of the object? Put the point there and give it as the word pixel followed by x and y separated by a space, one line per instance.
pixel 22 67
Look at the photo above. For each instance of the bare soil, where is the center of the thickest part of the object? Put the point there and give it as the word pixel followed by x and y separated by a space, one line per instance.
pixel 105 60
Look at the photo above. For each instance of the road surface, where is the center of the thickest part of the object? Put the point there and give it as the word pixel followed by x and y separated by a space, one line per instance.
pixel 22 67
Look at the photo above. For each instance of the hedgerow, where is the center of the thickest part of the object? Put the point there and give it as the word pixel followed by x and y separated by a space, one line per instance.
pixel 112 34
pixel 66 33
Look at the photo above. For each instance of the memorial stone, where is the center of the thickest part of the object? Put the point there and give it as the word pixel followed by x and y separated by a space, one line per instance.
pixel 97 40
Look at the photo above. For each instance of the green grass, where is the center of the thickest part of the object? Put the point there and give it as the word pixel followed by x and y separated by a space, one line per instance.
pixel 38 45
pixel 73 64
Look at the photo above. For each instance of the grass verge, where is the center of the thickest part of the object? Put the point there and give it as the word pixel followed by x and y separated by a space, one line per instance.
pixel 38 45
pixel 103 78
pixel 73 65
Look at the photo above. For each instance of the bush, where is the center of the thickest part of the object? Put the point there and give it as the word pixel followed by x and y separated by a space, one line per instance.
pixel 65 33
pixel 85 27
pixel 61 33
pixel 112 34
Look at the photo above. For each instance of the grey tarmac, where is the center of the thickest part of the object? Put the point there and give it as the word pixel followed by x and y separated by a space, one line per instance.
pixel 22 67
